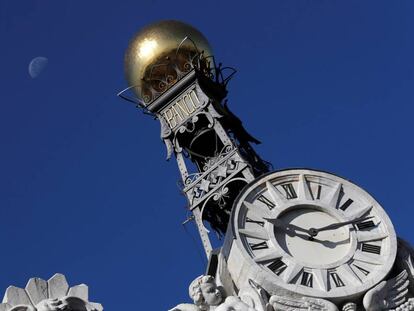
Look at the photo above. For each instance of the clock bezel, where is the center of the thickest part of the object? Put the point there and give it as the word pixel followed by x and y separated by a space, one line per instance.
pixel 271 281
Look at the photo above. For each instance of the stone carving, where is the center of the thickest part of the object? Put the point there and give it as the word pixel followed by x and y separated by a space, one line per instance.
pixel 208 296
pixel 185 307
pixel 387 294
pixel 233 303
pixel 255 296
pixel 205 294
pixel 350 306
pixel 283 303
pixel 52 295
pixel 405 261
pixel 407 306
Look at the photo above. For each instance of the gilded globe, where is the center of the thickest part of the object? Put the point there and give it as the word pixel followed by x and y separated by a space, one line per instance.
pixel 158 55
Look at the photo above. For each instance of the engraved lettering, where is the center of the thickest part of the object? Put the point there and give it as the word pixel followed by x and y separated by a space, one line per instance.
pixel 277 266
pixel 194 99
pixel 260 223
pixel 290 191
pixel 181 109
pixel 370 248
pixel 365 225
pixel 176 114
pixel 189 103
pixel 364 271
pixel 307 279
pixel 336 279
pixel 318 195
pixel 266 201
pixel 346 204
pixel 257 246
pixel 169 117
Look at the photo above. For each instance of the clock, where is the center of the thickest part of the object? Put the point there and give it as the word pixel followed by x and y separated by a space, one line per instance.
pixel 311 233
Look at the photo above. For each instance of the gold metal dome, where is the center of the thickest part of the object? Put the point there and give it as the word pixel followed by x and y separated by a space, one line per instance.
pixel 157 56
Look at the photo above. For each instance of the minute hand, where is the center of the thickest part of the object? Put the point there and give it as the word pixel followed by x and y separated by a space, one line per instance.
pixel 281 225
pixel 314 232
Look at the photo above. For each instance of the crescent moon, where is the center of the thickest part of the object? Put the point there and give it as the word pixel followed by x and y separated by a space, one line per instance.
pixel 37 65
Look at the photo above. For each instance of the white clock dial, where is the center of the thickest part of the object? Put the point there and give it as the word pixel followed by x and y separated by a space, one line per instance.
pixel 313 233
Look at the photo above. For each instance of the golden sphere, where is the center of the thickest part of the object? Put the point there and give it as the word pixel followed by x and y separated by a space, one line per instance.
pixel 153 57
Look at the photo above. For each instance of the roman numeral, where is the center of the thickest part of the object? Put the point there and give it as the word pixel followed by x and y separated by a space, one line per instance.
pixel 257 222
pixel 365 225
pixel 266 201
pixel 369 248
pixel 275 194
pixel 346 204
pixel 290 191
pixel 307 279
pixel 318 192
pixel 336 279
pixel 277 266
pixel 365 272
pixel 257 246
pixel 303 191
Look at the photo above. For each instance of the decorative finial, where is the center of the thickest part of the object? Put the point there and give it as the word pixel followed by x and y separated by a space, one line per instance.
pixel 160 54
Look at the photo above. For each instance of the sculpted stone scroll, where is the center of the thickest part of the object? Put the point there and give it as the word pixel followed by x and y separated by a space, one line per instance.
pixel 52 295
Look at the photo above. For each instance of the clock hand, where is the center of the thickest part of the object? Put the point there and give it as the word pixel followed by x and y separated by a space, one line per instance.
pixel 326 243
pixel 314 232
pixel 280 224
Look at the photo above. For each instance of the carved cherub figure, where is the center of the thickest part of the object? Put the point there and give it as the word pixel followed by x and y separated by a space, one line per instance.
pixel 205 294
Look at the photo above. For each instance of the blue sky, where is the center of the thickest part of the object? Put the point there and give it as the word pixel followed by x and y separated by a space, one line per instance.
pixel 84 186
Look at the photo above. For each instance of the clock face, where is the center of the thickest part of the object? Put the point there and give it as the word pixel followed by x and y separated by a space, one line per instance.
pixel 314 233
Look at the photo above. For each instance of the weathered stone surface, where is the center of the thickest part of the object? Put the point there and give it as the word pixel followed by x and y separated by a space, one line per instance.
pixel 80 291
pixel 53 295
pixel 5 307
pixel 16 296
pixel 97 306
pixel 36 288
pixel 57 286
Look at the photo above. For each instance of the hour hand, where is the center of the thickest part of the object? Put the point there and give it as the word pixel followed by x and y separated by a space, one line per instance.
pixel 280 224
pixel 314 232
